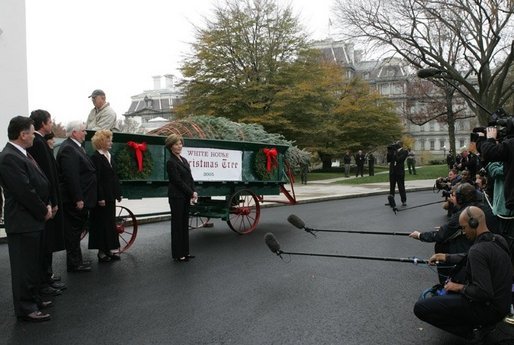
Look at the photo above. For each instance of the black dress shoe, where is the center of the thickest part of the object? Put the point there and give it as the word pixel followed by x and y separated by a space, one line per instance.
pixel 48 290
pixel 79 268
pixel 183 259
pixel 114 256
pixel 45 304
pixel 55 278
pixel 35 316
pixel 190 256
pixel 104 258
pixel 58 285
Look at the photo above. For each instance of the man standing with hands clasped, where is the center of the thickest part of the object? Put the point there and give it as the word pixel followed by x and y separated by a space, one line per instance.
pixel 27 208
pixel 472 309
pixel 77 176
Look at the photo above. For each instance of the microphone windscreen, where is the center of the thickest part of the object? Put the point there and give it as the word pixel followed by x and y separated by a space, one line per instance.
pixel 428 72
pixel 296 221
pixel 272 243
pixel 392 203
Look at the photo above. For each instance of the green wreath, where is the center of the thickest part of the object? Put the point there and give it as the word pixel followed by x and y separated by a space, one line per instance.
pixel 126 164
pixel 259 166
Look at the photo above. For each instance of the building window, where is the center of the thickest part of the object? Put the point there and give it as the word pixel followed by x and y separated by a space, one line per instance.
pixel 385 89
pixel 431 125
pixel 422 142
pixel 462 142
pixel 422 128
pixel 432 145
pixel 441 144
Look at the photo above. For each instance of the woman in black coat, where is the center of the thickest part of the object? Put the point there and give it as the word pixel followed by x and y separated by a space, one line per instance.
pixel 102 228
pixel 181 194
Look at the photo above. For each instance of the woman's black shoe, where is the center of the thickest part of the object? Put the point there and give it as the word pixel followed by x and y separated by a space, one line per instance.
pixel 114 256
pixel 104 258
pixel 182 259
pixel 190 256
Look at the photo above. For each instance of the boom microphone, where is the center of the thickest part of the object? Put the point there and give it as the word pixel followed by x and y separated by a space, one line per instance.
pixel 300 224
pixel 297 222
pixel 429 72
pixel 272 243
pixel 434 72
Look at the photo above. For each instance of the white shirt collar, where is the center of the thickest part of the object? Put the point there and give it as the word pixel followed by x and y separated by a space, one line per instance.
pixel 22 149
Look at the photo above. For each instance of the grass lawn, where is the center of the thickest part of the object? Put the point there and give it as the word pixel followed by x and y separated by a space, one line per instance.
pixel 427 172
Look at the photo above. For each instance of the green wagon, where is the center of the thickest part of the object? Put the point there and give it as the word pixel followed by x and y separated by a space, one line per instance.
pixel 231 178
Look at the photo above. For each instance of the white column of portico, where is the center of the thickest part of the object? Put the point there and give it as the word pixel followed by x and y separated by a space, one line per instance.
pixel 13 64
pixel 14 98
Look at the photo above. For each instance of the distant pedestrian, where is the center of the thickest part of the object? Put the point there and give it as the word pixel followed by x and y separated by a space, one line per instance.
pixel 450 160
pixel 359 160
pixel 396 156
pixel 304 171
pixel 371 164
pixel 411 162
pixel 347 160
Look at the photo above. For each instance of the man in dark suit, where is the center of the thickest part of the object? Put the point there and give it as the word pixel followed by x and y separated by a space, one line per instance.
pixel 53 236
pixel 27 208
pixel 78 186
pixel 396 156
pixel 360 159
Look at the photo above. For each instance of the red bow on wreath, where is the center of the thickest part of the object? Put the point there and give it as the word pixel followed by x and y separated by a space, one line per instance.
pixel 271 158
pixel 138 149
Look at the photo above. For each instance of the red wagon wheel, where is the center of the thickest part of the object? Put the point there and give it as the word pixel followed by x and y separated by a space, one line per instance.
pixel 196 222
pixel 126 227
pixel 244 211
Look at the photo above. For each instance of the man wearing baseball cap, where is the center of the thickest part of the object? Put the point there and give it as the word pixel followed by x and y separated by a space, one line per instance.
pixel 102 116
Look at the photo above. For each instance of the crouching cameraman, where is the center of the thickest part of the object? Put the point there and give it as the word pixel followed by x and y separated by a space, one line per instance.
pixel 448 237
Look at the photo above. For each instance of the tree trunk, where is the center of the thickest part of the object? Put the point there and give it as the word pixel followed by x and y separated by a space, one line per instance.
pixel 326 159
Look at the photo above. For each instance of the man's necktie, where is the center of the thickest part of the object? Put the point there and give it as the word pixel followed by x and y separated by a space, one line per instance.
pixel 34 162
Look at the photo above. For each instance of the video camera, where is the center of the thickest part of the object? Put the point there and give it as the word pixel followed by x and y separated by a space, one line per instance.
pixel 394 146
pixel 499 119
pixel 443 183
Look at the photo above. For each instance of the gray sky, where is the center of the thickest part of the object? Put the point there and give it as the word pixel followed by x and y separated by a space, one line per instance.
pixel 76 46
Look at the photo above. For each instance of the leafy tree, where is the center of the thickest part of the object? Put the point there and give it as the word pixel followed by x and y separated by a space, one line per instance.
pixel 251 64
pixel 238 57
pixel 58 129
pixel 469 40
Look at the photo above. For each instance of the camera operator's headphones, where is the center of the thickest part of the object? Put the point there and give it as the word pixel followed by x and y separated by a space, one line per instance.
pixel 472 221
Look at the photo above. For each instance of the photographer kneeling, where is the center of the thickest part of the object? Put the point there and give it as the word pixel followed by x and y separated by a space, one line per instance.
pixel 449 237
pixel 472 309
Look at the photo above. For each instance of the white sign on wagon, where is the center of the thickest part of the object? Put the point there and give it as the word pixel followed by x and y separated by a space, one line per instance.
pixel 214 164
